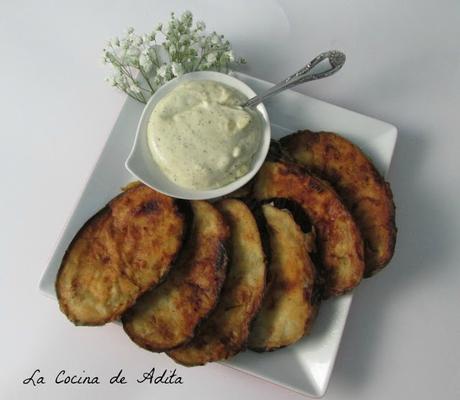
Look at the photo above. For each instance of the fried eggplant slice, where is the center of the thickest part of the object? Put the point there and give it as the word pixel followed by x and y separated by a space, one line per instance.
pixel 167 316
pixel 225 332
pixel 118 254
pixel 339 241
pixel 361 187
pixel 288 308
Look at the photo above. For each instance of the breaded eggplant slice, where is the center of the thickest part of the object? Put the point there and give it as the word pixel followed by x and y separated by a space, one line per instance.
pixel 339 240
pixel 118 254
pixel 225 332
pixel 167 316
pixel 288 308
pixel 361 187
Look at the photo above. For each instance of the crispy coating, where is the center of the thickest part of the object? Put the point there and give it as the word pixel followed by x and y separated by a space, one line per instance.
pixel 167 316
pixel 339 240
pixel 225 332
pixel 288 308
pixel 118 254
pixel 361 187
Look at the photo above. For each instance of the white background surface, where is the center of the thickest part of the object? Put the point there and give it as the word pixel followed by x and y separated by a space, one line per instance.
pixel 402 337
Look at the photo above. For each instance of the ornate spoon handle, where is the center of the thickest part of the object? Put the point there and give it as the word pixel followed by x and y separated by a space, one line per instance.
pixel 306 74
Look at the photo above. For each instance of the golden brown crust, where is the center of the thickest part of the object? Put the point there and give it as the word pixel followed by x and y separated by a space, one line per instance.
pixel 362 188
pixel 167 316
pixel 339 240
pixel 288 308
pixel 225 332
pixel 119 254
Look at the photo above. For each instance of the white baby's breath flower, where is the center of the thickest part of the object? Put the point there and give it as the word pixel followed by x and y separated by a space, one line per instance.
pixel 172 25
pixel 177 69
pixel 186 15
pixel 110 57
pixel 184 38
pixel 147 40
pixel 124 43
pixel 157 80
pixel 133 52
pixel 145 62
pixel 162 71
pixel 230 55
pixel 211 58
pixel 115 42
pixel 215 39
pixel 137 40
pixel 185 47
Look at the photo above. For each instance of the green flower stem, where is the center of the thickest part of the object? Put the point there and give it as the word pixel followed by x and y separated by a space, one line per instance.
pixel 155 60
pixel 128 73
pixel 146 78
pixel 135 97
pixel 203 53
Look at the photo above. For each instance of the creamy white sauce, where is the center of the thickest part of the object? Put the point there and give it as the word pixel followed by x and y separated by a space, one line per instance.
pixel 200 136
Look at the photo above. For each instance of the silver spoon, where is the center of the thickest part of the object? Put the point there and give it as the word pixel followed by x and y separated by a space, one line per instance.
pixel 306 74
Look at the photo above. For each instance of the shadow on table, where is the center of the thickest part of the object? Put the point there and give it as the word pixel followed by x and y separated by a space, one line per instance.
pixel 421 224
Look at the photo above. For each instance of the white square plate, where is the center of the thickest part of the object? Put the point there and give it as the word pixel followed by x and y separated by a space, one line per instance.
pixel 306 366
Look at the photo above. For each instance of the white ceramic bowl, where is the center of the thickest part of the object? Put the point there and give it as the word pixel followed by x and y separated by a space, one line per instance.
pixel 143 166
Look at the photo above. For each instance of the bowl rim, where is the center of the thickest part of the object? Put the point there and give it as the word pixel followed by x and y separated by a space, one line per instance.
pixel 199 194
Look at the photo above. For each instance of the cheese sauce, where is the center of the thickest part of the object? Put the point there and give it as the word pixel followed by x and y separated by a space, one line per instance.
pixel 201 137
